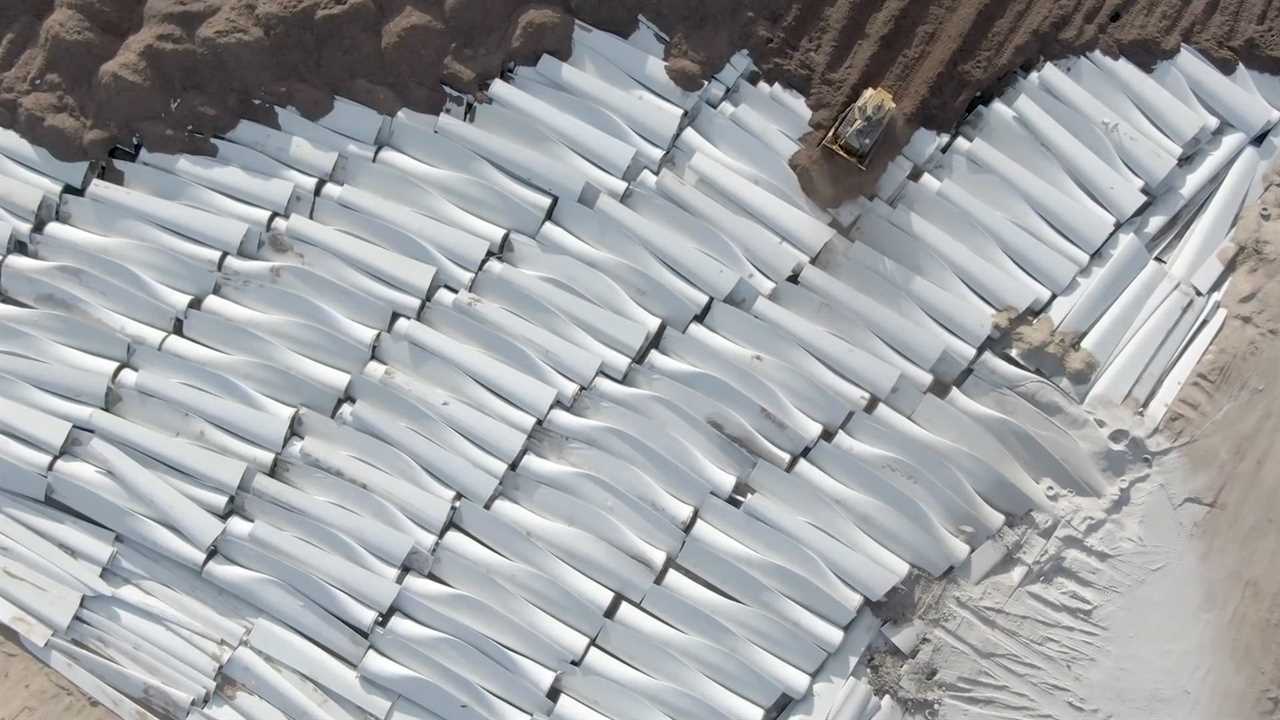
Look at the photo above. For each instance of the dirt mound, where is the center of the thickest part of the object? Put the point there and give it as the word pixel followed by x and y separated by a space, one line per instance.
pixel 935 56
pixel 85 74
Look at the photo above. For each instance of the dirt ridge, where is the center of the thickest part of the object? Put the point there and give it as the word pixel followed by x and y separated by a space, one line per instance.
pixel 82 75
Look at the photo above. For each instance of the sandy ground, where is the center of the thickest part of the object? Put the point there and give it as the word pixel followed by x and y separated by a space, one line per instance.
pixel 31 691
pixel 1238 569
pixel 1158 602
pixel 1162 599
pixel 1224 431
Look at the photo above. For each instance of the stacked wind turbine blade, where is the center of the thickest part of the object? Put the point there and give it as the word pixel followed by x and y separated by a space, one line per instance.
pixel 573 404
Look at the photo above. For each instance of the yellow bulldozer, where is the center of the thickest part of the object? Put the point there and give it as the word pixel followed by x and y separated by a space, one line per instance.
pixel 855 134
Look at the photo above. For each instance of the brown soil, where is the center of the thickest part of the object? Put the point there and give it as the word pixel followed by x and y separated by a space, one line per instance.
pixel 85 74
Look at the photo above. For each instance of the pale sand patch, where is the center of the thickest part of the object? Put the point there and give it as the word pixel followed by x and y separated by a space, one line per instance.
pixel 29 690
pixel 1163 599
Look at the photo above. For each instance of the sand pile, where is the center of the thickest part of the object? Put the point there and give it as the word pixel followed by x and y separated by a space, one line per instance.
pixel 1054 353
pixel 81 75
